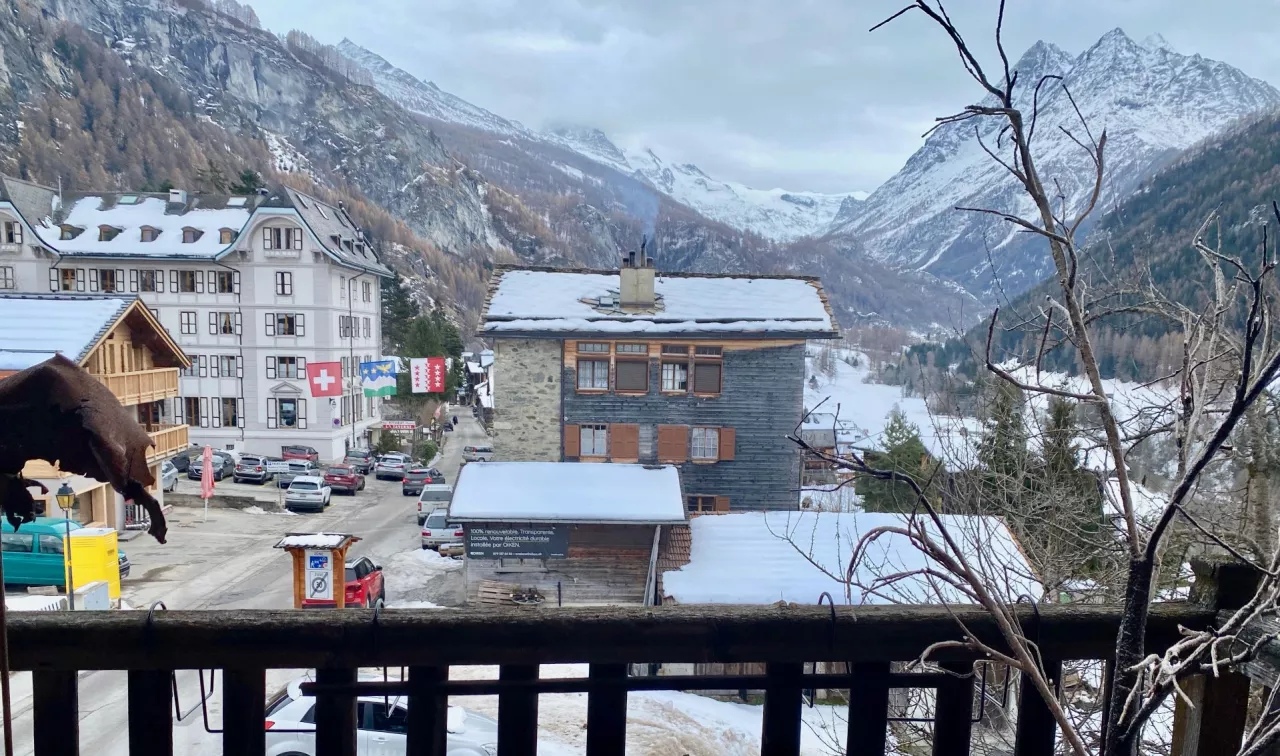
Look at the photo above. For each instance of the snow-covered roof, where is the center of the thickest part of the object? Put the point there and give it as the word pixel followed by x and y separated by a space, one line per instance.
pixel 567 492
pixel 91 211
pixel 484 395
pixel 474 367
pixel 538 301
pixel 762 558
pixel 42 325
pixel 314 540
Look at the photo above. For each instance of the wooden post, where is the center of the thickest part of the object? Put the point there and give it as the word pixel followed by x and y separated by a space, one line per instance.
pixel 868 708
pixel 953 713
pixel 428 714
pixel 782 702
pixel 150 713
pixel 607 712
pixel 56 704
pixel 1036 726
pixel 518 713
pixel 335 715
pixel 299 577
pixel 339 558
pixel 243 711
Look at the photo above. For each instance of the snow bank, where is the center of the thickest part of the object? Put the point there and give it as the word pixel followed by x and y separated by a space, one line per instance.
pixel 409 575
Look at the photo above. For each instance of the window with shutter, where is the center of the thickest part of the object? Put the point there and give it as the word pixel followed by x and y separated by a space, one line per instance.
pixel 215 413
pixel 728 440
pixel 705 443
pixel 239 366
pixel 625 441
pixel 673 443
pixel 722 503
pixel 301 325
pixel 159 281
pixel 593 440
pixel 631 376
pixel 302 414
pixel 271 367
pixel 204 411
pixel 572 441
pixel 271 413
pixel 79 279
pixel 240 412
pixel 93 279
pixel 213 322
pixel 173 281
pixel 697 503
pixel 53 279
pixel 199 276
pixel 237 322
pixel 706 377
pixel 133 280
pixel 593 375
pixel 271 324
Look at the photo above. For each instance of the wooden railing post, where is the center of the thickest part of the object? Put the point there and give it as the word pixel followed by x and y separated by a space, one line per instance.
pixel 782 701
pixel 244 711
pixel 151 713
pixel 1036 726
pixel 518 712
pixel 953 713
pixel 607 711
pixel 56 702
pixel 428 714
pixel 868 709
pixel 335 714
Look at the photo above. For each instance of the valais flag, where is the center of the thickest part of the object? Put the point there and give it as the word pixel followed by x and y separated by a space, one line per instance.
pixel 325 378
pixel 428 375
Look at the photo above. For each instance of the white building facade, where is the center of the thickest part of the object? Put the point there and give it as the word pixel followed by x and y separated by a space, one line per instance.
pixel 252 288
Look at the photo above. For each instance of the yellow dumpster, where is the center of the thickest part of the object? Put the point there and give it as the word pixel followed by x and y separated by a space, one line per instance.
pixel 93 554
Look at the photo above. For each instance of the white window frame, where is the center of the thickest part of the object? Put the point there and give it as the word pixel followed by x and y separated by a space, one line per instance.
pixel 704 443
pixel 590 378
pixel 593 440
pixel 187 322
pixel 672 374
pixel 6 277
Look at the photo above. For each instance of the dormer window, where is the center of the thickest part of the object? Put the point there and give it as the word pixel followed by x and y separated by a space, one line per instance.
pixel 347 243
pixel 150 234
pixel 11 232
pixel 190 235
pixel 107 233
pixel 275 237
pixel 226 236
pixel 69 231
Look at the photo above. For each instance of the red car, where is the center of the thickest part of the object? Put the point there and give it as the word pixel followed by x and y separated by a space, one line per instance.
pixel 364 586
pixel 300 452
pixel 344 478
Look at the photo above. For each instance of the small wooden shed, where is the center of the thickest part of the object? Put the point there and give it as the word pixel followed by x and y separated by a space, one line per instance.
pixel 576 533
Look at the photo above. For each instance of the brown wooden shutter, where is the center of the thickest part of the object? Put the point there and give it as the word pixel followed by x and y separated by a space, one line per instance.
pixel 673 443
pixel 624 440
pixel 572 441
pixel 722 503
pixel 728 438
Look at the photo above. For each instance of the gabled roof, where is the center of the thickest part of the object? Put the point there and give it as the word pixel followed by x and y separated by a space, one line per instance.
pixel 32 201
pixel 570 492
pixel 326 222
pixel 72 325
pixel 543 302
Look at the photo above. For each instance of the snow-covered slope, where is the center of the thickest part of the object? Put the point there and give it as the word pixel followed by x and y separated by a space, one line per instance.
pixel 1151 100
pixel 773 213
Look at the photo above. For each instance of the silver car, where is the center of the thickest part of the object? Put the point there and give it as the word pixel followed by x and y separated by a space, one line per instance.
pixel 168 476
pixel 391 466
pixel 297 468
pixel 437 530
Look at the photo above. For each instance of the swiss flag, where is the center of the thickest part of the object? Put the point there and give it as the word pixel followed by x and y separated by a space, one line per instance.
pixel 325 378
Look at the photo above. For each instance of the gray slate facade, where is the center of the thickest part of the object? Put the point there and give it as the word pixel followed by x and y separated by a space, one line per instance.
pixel 762 399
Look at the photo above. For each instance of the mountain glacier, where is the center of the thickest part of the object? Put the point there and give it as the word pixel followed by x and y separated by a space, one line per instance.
pixel 1153 103
pixel 775 214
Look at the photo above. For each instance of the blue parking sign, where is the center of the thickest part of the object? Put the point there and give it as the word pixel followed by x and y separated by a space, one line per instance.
pixel 318 562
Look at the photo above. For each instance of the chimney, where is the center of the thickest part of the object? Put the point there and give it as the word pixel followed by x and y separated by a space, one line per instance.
pixel 177 197
pixel 636 280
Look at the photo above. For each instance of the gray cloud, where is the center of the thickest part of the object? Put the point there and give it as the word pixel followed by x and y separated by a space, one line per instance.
pixel 791 93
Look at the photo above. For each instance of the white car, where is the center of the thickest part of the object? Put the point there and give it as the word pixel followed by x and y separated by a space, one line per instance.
pixel 307 492
pixel 382 729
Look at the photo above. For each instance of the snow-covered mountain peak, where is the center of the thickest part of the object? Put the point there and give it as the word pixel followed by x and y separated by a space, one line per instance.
pixel 1157 41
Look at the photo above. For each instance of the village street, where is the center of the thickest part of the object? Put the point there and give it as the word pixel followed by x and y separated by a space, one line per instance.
pixel 228 562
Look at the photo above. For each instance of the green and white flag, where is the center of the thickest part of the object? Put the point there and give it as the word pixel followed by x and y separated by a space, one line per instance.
pixel 378 378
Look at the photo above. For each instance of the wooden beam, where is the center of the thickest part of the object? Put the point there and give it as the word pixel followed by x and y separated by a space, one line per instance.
pixel 1037 729
pixel 953 712
pixel 336 714
pixel 518 713
pixel 615 634
pixel 151 713
pixel 244 710
pixel 56 704
pixel 1216 722
pixel 607 711
pixel 868 708
pixel 780 733
pixel 428 714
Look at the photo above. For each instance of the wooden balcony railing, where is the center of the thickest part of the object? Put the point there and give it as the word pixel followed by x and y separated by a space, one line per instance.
pixel 168 439
pixel 862 640
pixel 142 386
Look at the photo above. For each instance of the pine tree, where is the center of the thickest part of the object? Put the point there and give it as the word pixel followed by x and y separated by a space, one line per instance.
pixel 398 311
pixel 249 182
pixel 903 453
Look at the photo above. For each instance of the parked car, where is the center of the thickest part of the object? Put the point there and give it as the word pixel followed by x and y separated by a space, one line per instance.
pixel 294 469
pixel 344 478
pixel 168 476
pixel 361 459
pixel 434 496
pixel 438 530
pixel 448 427
pixel 477 453
pixel 300 452
pixel 33 555
pixel 307 492
pixel 364 586
pixel 381 722
pixel 182 460
pixel 223 465
pixel 253 468
pixel 417 477
pixel 391 466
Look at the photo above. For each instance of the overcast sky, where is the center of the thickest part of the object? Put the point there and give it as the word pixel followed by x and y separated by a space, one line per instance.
pixel 789 93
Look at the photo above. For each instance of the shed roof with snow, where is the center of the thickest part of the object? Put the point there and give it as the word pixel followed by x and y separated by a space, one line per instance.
pixel 73 325
pixel 536 302
pixel 568 492
pixel 766 557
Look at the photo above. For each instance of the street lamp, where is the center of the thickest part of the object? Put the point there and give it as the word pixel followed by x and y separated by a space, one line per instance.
pixel 69 503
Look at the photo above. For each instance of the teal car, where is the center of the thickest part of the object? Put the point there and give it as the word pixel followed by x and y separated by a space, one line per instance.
pixel 33 555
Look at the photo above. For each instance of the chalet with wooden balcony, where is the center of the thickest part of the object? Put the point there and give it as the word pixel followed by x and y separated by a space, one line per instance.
pixel 121 343
pixel 705 372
